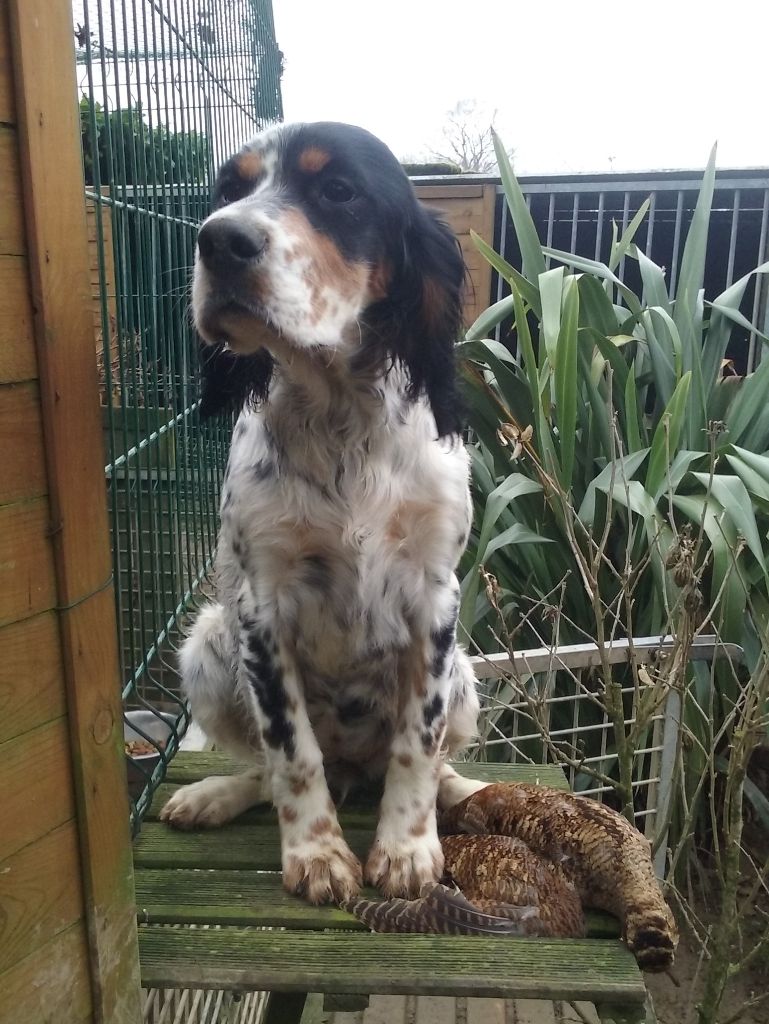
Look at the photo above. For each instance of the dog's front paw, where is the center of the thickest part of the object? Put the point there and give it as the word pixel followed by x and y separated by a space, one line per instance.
pixel 212 802
pixel 401 867
pixel 322 872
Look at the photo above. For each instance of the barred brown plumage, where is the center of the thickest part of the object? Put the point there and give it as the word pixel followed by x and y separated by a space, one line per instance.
pixel 440 909
pixel 527 859
pixel 606 859
pixel 494 871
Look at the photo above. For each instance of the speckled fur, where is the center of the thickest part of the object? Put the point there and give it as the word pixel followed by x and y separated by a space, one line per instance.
pixel 329 655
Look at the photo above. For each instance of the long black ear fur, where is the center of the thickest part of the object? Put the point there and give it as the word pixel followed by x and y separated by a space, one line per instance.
pixel 229 381
pixel 425 308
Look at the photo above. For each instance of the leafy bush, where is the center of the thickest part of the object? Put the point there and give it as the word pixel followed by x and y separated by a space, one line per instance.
pixel 621 489
pixel 620 402
pixel 126 147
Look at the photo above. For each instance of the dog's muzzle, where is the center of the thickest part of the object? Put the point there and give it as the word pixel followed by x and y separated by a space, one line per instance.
pixel 228 250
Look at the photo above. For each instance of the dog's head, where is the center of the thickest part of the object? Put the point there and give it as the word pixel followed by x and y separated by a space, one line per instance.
pixel 317 242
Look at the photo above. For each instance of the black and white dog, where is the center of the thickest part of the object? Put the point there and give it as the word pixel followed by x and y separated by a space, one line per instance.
pixel 330 302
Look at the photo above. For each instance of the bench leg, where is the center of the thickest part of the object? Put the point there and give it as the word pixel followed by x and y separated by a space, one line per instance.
pixel 333 1003
pixel 636 1013
pixel 285 1008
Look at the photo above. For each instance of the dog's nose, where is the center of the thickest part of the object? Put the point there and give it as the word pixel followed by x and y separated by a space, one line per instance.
pixel 227 247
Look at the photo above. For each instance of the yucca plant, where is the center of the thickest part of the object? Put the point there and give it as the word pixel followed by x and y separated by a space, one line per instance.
pixel 619 401
pixel 620 479
pixel 621 487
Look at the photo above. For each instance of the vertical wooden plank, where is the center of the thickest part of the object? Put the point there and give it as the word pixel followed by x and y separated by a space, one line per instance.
pixel 57 243
pixel 7 105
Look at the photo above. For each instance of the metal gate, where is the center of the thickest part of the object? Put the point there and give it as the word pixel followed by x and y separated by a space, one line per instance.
pixel 168 89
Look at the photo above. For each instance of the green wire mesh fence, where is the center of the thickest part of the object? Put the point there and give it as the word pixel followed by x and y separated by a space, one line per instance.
pixel 168 89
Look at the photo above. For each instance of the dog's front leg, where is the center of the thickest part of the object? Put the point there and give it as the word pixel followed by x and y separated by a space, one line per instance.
pixel 407 853
pixel 317 862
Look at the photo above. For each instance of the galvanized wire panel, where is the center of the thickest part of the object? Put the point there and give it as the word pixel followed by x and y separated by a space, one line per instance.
pixel 548 706
pixel 556 717
pixel 169 88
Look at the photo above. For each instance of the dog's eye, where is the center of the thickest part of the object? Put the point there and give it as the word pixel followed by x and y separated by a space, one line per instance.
pixel 337 191
pixel 228 194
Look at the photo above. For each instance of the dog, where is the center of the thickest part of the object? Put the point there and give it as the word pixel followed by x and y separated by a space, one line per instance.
pixel 329 301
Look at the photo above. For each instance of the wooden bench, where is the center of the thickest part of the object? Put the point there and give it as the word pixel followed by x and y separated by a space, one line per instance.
pixel 259 938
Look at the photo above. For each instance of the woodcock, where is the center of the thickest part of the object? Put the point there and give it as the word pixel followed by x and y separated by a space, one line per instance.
pixel 525 860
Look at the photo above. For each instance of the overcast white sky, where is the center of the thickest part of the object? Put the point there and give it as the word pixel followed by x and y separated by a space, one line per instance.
pixel 575 82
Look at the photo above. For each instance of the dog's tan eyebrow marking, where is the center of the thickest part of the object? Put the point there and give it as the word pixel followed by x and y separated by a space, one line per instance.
pixel 249 165
pixel 313 159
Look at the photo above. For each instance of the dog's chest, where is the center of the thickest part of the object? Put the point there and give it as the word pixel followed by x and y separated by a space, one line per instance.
pixel 343 567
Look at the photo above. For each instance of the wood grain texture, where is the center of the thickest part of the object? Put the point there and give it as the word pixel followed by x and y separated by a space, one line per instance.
pixel 191 766
pixel 242 958
pixel 230 897
pixel 21 443
pixel 467 207
pixel 7 103
pixel 40 894
pixel 12 240
pixel 217 878
pixel 31 688
pixel 459 190
pixel 256 899
pixel 47 987
pixel 232 846
pixel 27 577
pixel 253 842
pixel 36 783
pixel 18 359
pixel 57 243
pixel 101 225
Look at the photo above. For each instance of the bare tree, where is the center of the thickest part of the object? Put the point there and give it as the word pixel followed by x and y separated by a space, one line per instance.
pixel 468 140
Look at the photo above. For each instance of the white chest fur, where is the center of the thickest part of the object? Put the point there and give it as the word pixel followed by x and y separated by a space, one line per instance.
pixel 344 547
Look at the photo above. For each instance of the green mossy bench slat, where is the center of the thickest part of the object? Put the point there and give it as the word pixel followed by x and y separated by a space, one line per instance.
pixel 232 846
pixel 228 879
pixel 191 767
pixel 244 958
pixel 257 899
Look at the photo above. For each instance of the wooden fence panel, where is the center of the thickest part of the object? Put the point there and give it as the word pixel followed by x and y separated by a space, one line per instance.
pixel 46 987
pixel 466 206
pixel 7 104
pixel 27 580
pixel 21 443
pixel 38 899
pixel 11 211
pixel 101 226
pixel 62 777
pixel 36 781
pixel 31 692
pixel 18 360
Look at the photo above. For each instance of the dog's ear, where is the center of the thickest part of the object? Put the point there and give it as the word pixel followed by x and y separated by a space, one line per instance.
pixel 426 307
pixel 229 381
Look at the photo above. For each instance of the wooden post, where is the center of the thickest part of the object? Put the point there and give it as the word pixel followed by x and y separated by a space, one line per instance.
pixel 57 245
